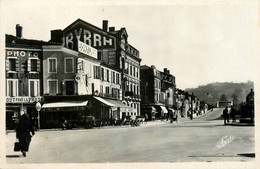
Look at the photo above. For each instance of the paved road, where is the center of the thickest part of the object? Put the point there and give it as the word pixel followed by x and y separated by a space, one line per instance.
pixel 202 139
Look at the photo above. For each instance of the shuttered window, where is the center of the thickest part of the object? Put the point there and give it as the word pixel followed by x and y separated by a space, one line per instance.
pixel 34 88
pixel 53 65
pixel 33 65
pixel 108 75
pixel 12 64
pixel 52 87
pixel 69 65
pixel 12 87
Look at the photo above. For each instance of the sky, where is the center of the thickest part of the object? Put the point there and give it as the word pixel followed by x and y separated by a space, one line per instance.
pixel 199 43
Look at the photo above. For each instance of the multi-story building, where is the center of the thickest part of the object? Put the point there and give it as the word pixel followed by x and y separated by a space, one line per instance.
pixel 153 100
pixel 114 50
pixel 128 60
pixel 168 87
pixel 82 75
pixel 23 76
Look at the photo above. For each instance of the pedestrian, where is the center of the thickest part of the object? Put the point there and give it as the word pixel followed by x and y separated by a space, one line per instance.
pixel 171 117
pixel 225 115
pixel 233 114
pixel 64 123
pixel 23 133
pixel 146 117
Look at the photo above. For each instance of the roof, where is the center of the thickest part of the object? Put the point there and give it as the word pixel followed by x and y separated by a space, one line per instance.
pixel 10 39
pixel 84 22
pixel 145 67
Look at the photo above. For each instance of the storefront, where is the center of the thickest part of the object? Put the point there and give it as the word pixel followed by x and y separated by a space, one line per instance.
pixel 150 111
pixel 117 110
pixel 72 111
pixel 14 105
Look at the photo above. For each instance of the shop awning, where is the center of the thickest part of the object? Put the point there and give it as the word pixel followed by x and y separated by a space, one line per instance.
pixel 65 104
pixel 149 107
pixel 105 101
pixel 164 110
pixel 115 103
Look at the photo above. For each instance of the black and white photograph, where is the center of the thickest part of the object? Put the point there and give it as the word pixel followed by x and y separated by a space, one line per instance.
pixel 129 84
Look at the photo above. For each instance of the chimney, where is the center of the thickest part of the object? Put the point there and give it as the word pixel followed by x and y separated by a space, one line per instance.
pixel 105 25
pixel 56 36
pixel 165 70
pixel 111 29
pixel 19 30
pixel 168 71
pixel 152 66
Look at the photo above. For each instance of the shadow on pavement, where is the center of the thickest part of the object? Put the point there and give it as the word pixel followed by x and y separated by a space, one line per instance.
pixel 183 126
pixel 12 156
pixel 219 118
pixel 247 155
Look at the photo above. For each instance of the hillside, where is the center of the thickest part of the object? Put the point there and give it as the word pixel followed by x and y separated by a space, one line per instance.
pixel 212 92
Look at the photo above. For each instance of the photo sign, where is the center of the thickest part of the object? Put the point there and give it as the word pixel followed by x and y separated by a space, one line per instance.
pixel 87 50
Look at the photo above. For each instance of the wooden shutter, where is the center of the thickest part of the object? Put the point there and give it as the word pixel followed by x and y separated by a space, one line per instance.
pixel 7 66
pixel 105 74
pixel 29 65
pixel 38 65
pixel 17 65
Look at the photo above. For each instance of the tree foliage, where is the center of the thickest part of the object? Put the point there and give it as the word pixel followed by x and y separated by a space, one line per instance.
pixel 223 97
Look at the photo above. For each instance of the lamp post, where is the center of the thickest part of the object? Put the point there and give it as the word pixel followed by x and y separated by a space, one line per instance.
pixel 191 114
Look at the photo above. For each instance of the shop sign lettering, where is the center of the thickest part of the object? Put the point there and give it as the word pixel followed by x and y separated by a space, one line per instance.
pixel 21 53
pixel 88 37
pixel 23 99
pixel 87 50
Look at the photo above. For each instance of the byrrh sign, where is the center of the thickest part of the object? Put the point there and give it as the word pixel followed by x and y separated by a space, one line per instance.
pixel 88 34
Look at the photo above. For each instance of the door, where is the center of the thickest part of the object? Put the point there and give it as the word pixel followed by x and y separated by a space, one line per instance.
pixel 69 87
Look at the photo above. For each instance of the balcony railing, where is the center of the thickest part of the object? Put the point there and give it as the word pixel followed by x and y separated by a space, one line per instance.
pixel 131 95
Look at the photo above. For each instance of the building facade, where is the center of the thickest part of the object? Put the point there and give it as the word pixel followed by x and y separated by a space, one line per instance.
pixel 23 76
pixel 168 88
pixel 153 99
pixel 114 50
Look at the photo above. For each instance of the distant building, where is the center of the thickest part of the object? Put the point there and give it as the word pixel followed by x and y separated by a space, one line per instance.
pixel 153 99
pixel 168 88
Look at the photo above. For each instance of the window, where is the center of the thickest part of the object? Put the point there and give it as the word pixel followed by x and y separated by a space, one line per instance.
pixel 131 70
pixel 12 64
pixel 69 65
pixel 34 88
pixel 113 77
pixel 53 87
pixel 33 65
pixel 53 65
pixel 12 87
pixel 108 75
pixel 101 89
pixel 117 78
pixel 134 71
pixel 107 90
pixel 102 74
pixel 96 70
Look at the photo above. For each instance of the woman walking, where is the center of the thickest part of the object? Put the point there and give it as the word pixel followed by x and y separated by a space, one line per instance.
pixel 23 133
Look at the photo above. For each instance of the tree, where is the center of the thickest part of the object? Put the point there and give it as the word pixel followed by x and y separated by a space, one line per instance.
pixel 223 97
pixel 235 100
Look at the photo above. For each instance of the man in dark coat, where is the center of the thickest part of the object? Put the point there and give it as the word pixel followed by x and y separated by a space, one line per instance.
pixel 225 115
pixel 23 133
